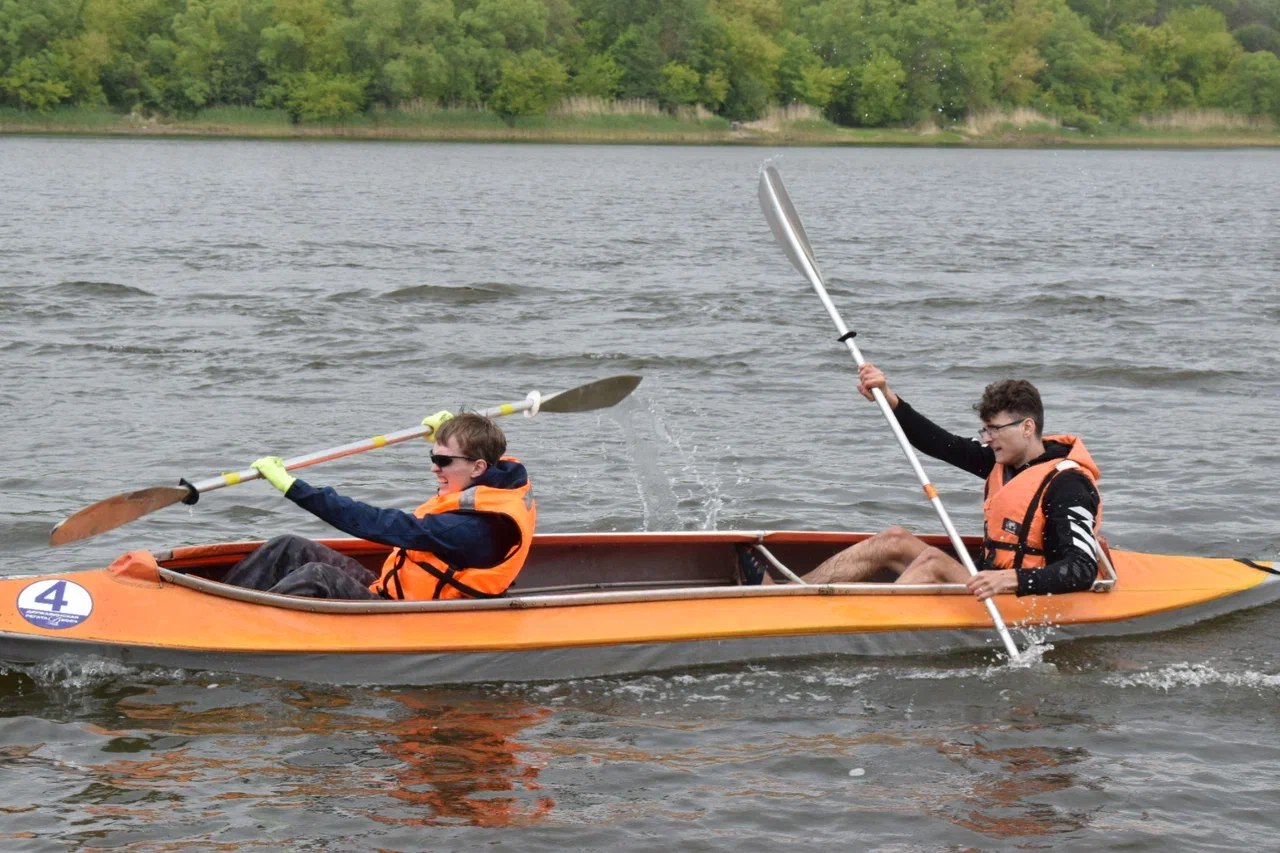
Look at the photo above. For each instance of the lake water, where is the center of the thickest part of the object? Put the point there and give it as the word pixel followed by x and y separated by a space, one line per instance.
pixel 174 308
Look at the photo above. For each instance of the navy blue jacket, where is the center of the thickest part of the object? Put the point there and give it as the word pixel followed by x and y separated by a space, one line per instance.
pixel 473 539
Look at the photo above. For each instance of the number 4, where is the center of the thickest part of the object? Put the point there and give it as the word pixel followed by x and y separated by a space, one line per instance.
pixel 54 596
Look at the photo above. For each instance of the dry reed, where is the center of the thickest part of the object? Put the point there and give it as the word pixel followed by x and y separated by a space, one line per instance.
pixel 776 116
pixel 1019 118
pixel 1204 120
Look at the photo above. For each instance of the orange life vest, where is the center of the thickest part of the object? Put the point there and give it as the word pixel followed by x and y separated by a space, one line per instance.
pixel 421 575
pixel 1013 515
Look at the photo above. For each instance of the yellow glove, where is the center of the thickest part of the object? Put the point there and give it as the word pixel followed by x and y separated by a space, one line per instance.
pixel 273 471
pixel 435 422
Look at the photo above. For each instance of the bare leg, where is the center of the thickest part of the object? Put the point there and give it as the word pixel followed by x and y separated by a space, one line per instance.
pixel 934 566
pixel 894 549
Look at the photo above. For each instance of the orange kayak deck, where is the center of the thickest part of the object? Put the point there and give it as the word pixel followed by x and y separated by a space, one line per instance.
pixel 603 604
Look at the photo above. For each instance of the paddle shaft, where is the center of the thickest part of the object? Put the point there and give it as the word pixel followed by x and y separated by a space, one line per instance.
pixel 235 477
pixel 110 513
pixel 786 227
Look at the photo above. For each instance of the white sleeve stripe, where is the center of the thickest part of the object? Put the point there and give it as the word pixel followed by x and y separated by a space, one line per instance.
pixel 1084 532
pixel 1082 513
pixel 1087 546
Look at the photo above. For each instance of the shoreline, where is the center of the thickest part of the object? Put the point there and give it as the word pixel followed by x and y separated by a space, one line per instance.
pixel 579 130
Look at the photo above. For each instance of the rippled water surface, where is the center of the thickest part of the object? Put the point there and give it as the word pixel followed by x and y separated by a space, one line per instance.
pixel 179 308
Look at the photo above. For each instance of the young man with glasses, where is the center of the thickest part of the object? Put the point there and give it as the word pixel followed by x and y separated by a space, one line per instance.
pixel 469 541
pixel 1041 508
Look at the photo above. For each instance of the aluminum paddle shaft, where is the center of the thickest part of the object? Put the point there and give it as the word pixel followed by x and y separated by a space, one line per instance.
pixel 786 226
pixel 113 512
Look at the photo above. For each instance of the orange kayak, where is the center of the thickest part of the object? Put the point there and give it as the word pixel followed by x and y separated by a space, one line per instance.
pixel 586 604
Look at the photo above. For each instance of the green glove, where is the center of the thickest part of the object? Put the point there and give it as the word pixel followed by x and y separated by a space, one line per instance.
pixel 273 471
pixel 435 422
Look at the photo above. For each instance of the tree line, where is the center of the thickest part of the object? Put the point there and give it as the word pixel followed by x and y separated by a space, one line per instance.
pixel 863 63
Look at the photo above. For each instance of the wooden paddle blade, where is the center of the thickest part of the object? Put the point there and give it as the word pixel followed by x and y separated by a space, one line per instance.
pixel 600 394
pixel 111 513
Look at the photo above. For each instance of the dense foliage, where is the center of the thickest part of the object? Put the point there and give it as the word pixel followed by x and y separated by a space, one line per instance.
pixel 862 62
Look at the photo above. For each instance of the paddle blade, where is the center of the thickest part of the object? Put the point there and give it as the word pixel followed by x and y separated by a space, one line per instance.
pixel 600 394
pixel 111 513
pixel 785 222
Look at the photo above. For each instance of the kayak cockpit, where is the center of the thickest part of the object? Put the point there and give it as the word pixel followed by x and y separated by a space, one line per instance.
pixel 582 568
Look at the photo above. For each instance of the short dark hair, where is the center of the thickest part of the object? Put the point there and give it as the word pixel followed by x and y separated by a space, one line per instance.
pixel 1015 396
pixel 478 436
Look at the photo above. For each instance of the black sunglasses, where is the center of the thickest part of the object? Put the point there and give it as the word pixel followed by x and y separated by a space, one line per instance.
pixel 443 460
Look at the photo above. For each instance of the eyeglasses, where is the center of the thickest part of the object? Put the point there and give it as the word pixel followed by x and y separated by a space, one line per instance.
pixel 442 460
pixel 989 432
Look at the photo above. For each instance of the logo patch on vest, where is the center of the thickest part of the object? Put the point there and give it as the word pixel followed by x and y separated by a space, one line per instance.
pixel 1010 526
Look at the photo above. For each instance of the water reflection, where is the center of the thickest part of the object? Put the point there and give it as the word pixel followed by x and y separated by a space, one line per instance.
pixel 210 756
pixel 463 762
pixel 1004 798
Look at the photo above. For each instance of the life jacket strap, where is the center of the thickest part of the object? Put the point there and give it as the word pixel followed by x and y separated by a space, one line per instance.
pixel 392 577
pixel 1021 549
pixel 448 577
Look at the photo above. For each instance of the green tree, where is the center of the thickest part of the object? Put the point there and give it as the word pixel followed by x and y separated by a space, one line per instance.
pixel 84 58
pixel 840 32
pixel 1016 39
pixel 640 56
pixel 53 50
pixel 312 96
pixel 881 97
pixel 305 62
pixel 34 82
pixel 749 59
pixel 942 48
pixel 1254 37
pixel 531 83
pixel 1105 17
pixel 210 55
pixel 1150 66
pixel 472 71
pixel 398 43
pixel 510 25
pixel 1082 74
pixel 1201 52
pixel 599 76
pixel 715 88
pixel 1252 85
pixel 680 86
pixel 802 76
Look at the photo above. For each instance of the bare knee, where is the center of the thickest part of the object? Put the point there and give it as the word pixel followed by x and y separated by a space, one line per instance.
pixel 897 536
pixel 932 565
pixel 934 562
pixel 898 548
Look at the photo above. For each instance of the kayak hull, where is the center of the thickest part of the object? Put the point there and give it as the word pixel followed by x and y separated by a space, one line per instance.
pixel 587 605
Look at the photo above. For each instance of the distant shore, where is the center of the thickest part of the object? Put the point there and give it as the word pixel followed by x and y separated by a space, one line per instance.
pixel 647 129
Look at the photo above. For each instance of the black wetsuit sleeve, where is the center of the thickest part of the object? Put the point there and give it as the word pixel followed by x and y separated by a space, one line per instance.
pixel 470 539
pixel 1071 563
pixel 967 454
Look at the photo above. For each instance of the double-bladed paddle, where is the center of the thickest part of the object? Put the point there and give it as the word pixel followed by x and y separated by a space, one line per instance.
pixel 113 512
pixel 786 226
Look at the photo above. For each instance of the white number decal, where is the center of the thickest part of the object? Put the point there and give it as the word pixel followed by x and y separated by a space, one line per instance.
pixel 55 604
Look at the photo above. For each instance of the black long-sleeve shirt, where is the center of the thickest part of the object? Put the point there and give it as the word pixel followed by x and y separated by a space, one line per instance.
pixel 1070 503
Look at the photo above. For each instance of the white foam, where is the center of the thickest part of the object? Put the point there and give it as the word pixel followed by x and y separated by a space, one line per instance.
pixel 80 673
pixel 1178 675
